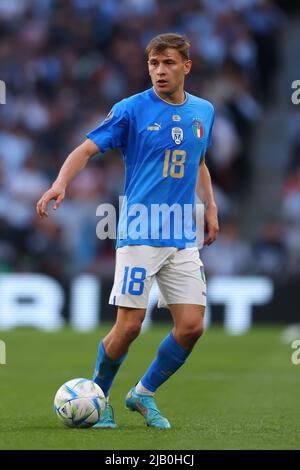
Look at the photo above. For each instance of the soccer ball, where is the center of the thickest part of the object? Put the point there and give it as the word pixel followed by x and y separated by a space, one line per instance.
pixel 79 403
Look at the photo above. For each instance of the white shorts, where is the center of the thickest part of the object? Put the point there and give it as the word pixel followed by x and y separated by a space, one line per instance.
pixel 179 274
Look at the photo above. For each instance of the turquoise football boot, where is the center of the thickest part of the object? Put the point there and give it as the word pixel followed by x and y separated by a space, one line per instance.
pixel 146 406
pixel 107 420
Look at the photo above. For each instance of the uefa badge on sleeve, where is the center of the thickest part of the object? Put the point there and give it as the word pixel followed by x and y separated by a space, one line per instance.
pixel 198 128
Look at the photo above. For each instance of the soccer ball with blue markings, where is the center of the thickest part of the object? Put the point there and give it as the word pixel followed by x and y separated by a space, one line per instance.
pixel 79 403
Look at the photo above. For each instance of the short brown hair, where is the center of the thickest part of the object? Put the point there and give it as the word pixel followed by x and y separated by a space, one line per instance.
pixel 176 41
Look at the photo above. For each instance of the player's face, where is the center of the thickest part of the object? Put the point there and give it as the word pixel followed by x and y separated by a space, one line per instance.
pixel 168 70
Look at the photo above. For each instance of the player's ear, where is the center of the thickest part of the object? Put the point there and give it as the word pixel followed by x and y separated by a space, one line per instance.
pixel 187 66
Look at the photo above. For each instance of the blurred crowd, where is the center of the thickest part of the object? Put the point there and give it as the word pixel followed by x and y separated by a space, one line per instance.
pixel 66 62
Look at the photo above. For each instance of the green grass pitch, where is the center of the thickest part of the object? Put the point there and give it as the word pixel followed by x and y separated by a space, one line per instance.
pixel 233 393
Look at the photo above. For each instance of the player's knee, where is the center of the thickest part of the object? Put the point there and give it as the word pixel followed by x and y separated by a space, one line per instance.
pixel 132 329
pixel 199 331
pixel 192 333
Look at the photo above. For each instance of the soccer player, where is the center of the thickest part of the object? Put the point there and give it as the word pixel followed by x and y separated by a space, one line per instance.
pixel 163 134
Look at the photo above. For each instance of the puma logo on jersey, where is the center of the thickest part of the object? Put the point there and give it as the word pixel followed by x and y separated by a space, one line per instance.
pixel 154 127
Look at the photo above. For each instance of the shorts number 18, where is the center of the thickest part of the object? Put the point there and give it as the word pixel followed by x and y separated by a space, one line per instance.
pixel 136 284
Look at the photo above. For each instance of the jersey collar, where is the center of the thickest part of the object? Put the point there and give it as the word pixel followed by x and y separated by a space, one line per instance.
pixel 167 102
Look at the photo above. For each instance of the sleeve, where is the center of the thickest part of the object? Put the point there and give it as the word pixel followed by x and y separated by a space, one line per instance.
pixel 210 127
pixel 113 131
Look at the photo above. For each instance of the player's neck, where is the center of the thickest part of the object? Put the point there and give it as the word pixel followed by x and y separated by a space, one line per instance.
pixel 172 98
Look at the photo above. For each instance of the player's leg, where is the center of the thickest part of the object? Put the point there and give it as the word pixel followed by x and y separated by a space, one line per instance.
pixel 182 280
pixel 111 353
pixel 176 347
pixel 114 347
pixel 130 292
pixel 188 324
pixel 171 355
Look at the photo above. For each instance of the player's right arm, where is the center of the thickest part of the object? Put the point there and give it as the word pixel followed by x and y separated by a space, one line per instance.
pixel 74 163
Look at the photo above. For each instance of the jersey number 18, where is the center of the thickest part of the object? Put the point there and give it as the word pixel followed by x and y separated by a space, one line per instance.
pixel 176 169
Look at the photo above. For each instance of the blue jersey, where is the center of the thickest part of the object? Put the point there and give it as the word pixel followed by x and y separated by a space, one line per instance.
pixel 162 145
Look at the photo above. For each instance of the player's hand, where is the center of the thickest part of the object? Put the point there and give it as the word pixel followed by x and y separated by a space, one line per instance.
pixel 56 193
pixel 211 224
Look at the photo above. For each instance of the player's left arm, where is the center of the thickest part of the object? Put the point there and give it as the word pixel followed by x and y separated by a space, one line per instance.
pixel 205 192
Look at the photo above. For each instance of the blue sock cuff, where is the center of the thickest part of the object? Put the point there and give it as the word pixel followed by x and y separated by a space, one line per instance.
pixel 106 369
pixel 170 356
pixel 175 348
pixel 108 359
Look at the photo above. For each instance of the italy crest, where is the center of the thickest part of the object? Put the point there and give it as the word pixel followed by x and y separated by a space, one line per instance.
pixel 198 128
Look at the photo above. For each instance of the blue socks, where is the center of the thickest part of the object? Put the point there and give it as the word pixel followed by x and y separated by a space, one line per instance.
pixel 106 369
pixel 170 357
